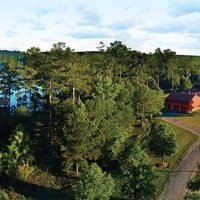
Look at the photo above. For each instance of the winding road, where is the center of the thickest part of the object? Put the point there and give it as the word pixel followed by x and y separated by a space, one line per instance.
pixel 176 188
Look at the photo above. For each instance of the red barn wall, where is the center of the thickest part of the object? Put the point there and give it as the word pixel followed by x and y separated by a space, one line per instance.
pixel 178 106
pixel 185 107
pixel 195 103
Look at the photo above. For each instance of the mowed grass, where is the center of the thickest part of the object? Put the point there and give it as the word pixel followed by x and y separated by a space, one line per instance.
pixel 192 118
pixel 185 140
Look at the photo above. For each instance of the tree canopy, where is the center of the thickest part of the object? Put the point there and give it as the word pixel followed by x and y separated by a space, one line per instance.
pixel 82 108
pixel 162 141
pixel 94 184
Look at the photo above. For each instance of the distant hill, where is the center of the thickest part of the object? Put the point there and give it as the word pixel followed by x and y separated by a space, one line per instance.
pixel 18 55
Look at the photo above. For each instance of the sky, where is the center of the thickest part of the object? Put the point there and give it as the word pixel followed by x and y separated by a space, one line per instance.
pixel 141 25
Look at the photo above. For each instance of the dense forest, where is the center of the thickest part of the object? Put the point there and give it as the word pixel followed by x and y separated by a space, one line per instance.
pixel 86 119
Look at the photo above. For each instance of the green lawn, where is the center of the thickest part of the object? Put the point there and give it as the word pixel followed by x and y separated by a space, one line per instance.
pixel 185 139
pixel 193 118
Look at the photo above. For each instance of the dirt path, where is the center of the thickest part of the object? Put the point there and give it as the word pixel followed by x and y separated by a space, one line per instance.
pixel 176 188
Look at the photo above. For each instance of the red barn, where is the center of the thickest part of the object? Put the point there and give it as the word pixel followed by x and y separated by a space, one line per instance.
pixel 183 102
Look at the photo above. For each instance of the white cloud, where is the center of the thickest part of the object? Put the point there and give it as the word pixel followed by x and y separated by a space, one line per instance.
pixel 184 7
pixel 88 17
pixel 121 25
pixel 141 25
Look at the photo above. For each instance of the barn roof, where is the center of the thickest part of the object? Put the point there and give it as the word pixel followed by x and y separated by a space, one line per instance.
pixel 177 96
pixel 195 89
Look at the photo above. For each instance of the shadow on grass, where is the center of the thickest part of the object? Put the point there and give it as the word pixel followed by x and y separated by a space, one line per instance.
pixel 168 113
pixel 32 191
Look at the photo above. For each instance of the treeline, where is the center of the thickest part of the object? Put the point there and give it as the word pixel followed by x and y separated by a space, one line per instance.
pixel 94 108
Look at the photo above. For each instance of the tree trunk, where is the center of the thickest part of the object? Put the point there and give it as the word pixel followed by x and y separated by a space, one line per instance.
pixel 50 109
pixel 77 172
pixel 9 96
pixel 79 95
pixel 73 94
pixel 163 161
pixel 142 121
pixel 120 74
pixel 158 81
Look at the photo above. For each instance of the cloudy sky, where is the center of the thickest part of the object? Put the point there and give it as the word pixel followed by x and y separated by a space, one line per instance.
pixel 142 25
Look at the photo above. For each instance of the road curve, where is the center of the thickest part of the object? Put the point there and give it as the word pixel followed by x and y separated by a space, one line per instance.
pixel 176 188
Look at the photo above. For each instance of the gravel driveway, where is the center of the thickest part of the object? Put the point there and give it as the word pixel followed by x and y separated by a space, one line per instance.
pixel 176 188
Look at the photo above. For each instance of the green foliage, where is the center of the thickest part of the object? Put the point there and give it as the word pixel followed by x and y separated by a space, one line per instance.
pixel 184 139
pixel 192 195
pixel 194 183
pixel 185 83
pixel 138 174
pixel 22 116
pixel 115 116
pixel 91 104
pixel 9 76
pixel 3 195
pixel 162 141
pixel 146 102
pixel 79 142
pixel 105 88
pixel 93 184
pixel 26 172
pixel 18 152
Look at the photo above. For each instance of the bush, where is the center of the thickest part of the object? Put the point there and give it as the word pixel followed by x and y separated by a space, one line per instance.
pixel 3 195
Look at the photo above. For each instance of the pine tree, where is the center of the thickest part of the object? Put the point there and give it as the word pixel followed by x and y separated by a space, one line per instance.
pixel 138 174
pixel 10 77
pixel 93 184
pixel 18 152
pixel 79 141
pixel 162 141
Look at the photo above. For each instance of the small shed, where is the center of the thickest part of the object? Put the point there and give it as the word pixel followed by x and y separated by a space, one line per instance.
pixel 183 102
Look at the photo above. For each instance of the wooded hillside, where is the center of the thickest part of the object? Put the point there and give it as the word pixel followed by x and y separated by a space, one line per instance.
pixel 84 113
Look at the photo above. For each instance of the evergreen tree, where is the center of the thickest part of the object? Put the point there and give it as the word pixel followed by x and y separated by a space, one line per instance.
pixel 185 83
pixel 23 117
pixel 146 103
pixel 119 55
pixel 93 184
pixel 10 77
pixel 138 174
pixel 192 195
pixel 194 183
pixel 162 141
pixel 18 152
pixel 79 140
pixel 78 77
pixel 115 116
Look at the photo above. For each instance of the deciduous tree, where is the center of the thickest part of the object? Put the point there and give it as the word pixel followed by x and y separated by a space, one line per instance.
pixel 162 141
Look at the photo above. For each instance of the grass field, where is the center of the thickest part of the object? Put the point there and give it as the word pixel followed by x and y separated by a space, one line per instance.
pixel 192 118
pixel 185 139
